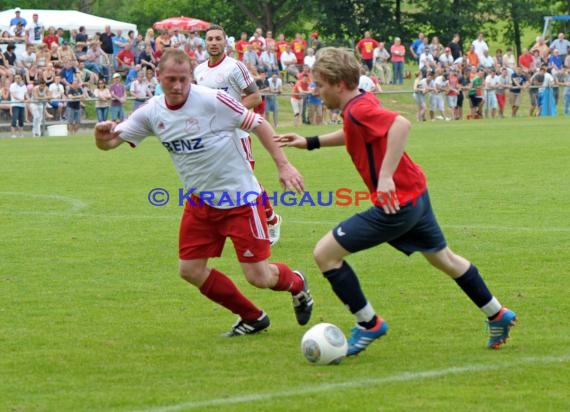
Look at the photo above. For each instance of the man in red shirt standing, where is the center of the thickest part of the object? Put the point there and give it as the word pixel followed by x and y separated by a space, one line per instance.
pixel 365 47
pixel 300 90
pixel 281 46
pixel 401 214
pixel 298 46
pixel 241 46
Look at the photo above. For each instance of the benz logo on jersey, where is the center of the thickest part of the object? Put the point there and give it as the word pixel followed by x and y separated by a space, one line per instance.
pixel 184 145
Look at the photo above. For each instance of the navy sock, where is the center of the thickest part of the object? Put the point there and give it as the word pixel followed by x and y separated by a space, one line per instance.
pixel 474 286
pixel 346 286
pixel 369 325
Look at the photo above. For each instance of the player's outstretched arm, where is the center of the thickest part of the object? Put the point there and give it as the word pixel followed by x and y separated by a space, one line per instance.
pixel 289 177
pixel 105 137
pixel 335 138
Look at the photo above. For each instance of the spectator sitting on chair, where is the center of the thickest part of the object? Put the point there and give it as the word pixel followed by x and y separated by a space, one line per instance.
pixel 289 63
pixel 125 60
pixel 56 94
pixel 67 73
pixel 96 60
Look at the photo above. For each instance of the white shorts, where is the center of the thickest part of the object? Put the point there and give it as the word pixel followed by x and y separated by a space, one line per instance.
pixel 492 102
pixel 436 102
pixel 297 106
pixel 452 101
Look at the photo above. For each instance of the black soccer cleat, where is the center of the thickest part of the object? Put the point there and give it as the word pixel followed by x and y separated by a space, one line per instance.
pixel 303 302
pixel 243 327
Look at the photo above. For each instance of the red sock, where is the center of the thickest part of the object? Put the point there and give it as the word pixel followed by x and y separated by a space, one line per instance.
pixel 288 280
pixel 220 289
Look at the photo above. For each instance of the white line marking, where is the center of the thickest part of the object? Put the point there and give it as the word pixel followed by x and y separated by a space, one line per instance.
pixel 398 377
pixel 76 205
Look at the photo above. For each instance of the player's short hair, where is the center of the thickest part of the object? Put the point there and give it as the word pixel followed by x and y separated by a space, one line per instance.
pixel 335 65
pixel 173 54
pixel 216 27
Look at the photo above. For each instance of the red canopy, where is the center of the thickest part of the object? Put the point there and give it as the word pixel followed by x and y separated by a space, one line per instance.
pixel 181 23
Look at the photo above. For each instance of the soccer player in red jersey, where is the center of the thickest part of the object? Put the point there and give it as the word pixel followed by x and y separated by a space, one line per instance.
pixel 198 127
pixel 402 215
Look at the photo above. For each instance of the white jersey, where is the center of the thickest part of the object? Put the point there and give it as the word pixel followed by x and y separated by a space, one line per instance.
pixel 231 76
pixel 202 141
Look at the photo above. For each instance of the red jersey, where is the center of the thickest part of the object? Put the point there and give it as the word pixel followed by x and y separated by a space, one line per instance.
pixel 241 48
pixel 50 39
pixel 366 126
pixel 257 46
pixel 127 57
pixel 526 60
pixel 298 47
pixel 366 48
pixel 281 47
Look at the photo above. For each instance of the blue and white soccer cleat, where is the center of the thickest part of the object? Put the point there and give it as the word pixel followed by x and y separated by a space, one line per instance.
pixel 499 328
pixel 360 337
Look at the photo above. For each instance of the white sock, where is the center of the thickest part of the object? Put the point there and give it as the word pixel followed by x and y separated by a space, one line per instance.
pixel 366 314
pixel 492 308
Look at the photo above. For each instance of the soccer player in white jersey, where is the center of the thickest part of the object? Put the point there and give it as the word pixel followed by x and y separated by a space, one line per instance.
pixel 221 71
pixel 197 126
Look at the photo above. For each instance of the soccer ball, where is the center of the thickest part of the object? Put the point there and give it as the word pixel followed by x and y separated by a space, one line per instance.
pixel 324 344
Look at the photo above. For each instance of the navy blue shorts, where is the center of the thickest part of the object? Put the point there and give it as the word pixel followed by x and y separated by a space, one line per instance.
pixel 413 229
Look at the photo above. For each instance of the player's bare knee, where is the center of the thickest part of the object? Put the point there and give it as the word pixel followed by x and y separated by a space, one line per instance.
pixel 193 274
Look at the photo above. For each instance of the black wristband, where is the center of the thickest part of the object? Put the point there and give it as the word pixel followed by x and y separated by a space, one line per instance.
pixel 313 142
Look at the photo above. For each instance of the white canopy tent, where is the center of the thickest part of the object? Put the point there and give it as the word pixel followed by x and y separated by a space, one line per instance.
pixel 67 20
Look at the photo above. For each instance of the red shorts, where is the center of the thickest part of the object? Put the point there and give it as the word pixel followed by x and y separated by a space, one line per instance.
pixel 204 230
pixel 501 100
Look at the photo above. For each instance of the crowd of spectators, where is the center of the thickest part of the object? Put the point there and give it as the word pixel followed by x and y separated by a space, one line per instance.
pixel 447 76
pixel 57 72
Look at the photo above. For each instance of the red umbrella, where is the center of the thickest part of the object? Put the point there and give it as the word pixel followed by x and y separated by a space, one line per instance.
pixel 181 23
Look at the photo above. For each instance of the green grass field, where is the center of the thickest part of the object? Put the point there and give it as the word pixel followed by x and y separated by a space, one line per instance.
pixel 93 315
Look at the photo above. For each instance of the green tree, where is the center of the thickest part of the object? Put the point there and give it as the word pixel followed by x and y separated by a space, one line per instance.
pixel 521 14
pixel 443 18
pixel 345 21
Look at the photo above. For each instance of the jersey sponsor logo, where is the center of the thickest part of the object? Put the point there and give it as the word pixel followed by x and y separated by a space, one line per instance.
pixel 192 126
pixel 184 145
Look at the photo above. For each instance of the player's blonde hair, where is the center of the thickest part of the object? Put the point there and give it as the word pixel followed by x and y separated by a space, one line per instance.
pixel 335 65
pixel 173 54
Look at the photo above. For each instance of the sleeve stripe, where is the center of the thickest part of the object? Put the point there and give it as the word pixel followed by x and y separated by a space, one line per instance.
pixel 230 102
pixel 251 121
pixel 247 121
pixel 247 77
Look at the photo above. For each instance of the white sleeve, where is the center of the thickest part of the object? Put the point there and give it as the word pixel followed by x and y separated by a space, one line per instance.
pixel 242 76
pixel 231 113
pixel 137 126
